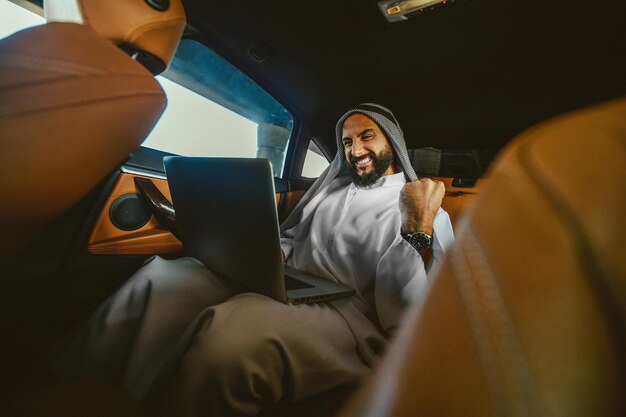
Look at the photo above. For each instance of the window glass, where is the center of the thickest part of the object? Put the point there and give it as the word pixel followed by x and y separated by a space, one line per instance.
pixel 314 162
pixel 213 109
pixel 195 126
pixel 219 111
pixel 14 18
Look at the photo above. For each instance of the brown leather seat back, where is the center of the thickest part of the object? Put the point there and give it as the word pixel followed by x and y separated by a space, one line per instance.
pixel 527 316
pixel 72 107
pixel 150 30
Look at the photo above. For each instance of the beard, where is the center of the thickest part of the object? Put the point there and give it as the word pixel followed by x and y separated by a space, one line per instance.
pixel 380 164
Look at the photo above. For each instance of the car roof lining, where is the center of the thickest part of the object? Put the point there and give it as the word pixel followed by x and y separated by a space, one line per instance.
pixel 482 71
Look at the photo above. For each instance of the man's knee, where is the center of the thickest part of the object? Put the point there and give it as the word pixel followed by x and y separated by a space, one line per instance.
pixel 230 361
pixel 251 351
pixel 254 336
pixel 238 332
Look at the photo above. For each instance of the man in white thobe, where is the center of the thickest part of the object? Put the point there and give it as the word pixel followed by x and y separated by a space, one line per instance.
pixel 189 344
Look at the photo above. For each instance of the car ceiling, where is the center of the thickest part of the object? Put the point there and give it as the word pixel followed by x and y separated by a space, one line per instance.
pixel 470 75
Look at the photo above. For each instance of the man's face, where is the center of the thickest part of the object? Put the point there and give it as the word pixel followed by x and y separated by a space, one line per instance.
pixel 367 150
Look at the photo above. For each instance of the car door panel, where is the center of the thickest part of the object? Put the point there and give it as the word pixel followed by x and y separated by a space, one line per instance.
pixel 150 238
pixel 108 238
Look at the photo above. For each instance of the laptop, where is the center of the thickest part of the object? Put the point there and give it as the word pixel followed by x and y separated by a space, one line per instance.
pixel 227 218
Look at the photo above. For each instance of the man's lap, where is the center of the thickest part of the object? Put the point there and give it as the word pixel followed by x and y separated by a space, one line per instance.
pixel 145 323
pixel 132 332
pixel 251 351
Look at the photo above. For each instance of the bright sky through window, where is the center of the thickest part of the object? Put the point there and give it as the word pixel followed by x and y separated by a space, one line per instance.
pixel 14 18
pixel 191 124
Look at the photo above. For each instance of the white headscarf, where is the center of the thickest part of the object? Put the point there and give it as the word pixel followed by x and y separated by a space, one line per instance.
pixel 338 168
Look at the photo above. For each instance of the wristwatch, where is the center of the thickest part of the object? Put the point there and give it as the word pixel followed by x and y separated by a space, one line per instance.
pixel 419 240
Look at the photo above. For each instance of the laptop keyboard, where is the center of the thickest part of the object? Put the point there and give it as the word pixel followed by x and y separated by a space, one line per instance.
pixel 294 284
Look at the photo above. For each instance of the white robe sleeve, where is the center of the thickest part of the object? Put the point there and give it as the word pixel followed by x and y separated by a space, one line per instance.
pixel 443 237
pixel 401 274
pixel 286 241
pixel 400 278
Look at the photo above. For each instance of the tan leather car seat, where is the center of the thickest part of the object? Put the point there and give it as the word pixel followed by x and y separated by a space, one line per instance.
pixel 527 316
pixel 73 106
pixel 149 30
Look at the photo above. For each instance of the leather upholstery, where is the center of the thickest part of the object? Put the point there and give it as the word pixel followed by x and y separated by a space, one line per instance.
pixel 131 22
pixel 458 199
pixel 72 107
pixel 527 316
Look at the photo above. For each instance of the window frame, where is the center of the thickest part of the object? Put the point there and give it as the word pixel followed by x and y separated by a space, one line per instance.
pixel 297 145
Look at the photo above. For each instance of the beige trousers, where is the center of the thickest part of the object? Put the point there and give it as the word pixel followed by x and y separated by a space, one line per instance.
pixel 188 344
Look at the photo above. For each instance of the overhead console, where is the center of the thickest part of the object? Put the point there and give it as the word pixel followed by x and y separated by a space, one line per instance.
pixel 400 10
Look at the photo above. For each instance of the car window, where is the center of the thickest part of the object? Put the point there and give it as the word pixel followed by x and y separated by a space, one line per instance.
pixel 314 162
pixel 193 125
pixel 14 18
pixel 215 110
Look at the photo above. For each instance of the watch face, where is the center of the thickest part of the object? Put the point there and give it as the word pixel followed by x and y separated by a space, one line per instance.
pixel 420 240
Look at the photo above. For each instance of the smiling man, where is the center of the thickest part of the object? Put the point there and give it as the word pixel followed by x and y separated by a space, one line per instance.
pixel 367 150
pixel 368 222
pixel 189 343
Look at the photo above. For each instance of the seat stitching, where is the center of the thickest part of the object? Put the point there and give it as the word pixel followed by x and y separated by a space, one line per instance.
pixel 50 64
pixel 461 268
pixel 587 259
pixel 504 330
pixel 153 25
pixel 492 330
pixel 65 78
pixel 50 112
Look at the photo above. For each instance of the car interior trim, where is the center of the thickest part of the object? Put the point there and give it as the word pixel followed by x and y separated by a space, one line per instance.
pixel 458 198
pixel 143 173
pixel 152 238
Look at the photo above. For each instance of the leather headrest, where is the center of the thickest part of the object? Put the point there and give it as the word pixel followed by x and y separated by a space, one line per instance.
pixel 72 107
pixel 147 29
